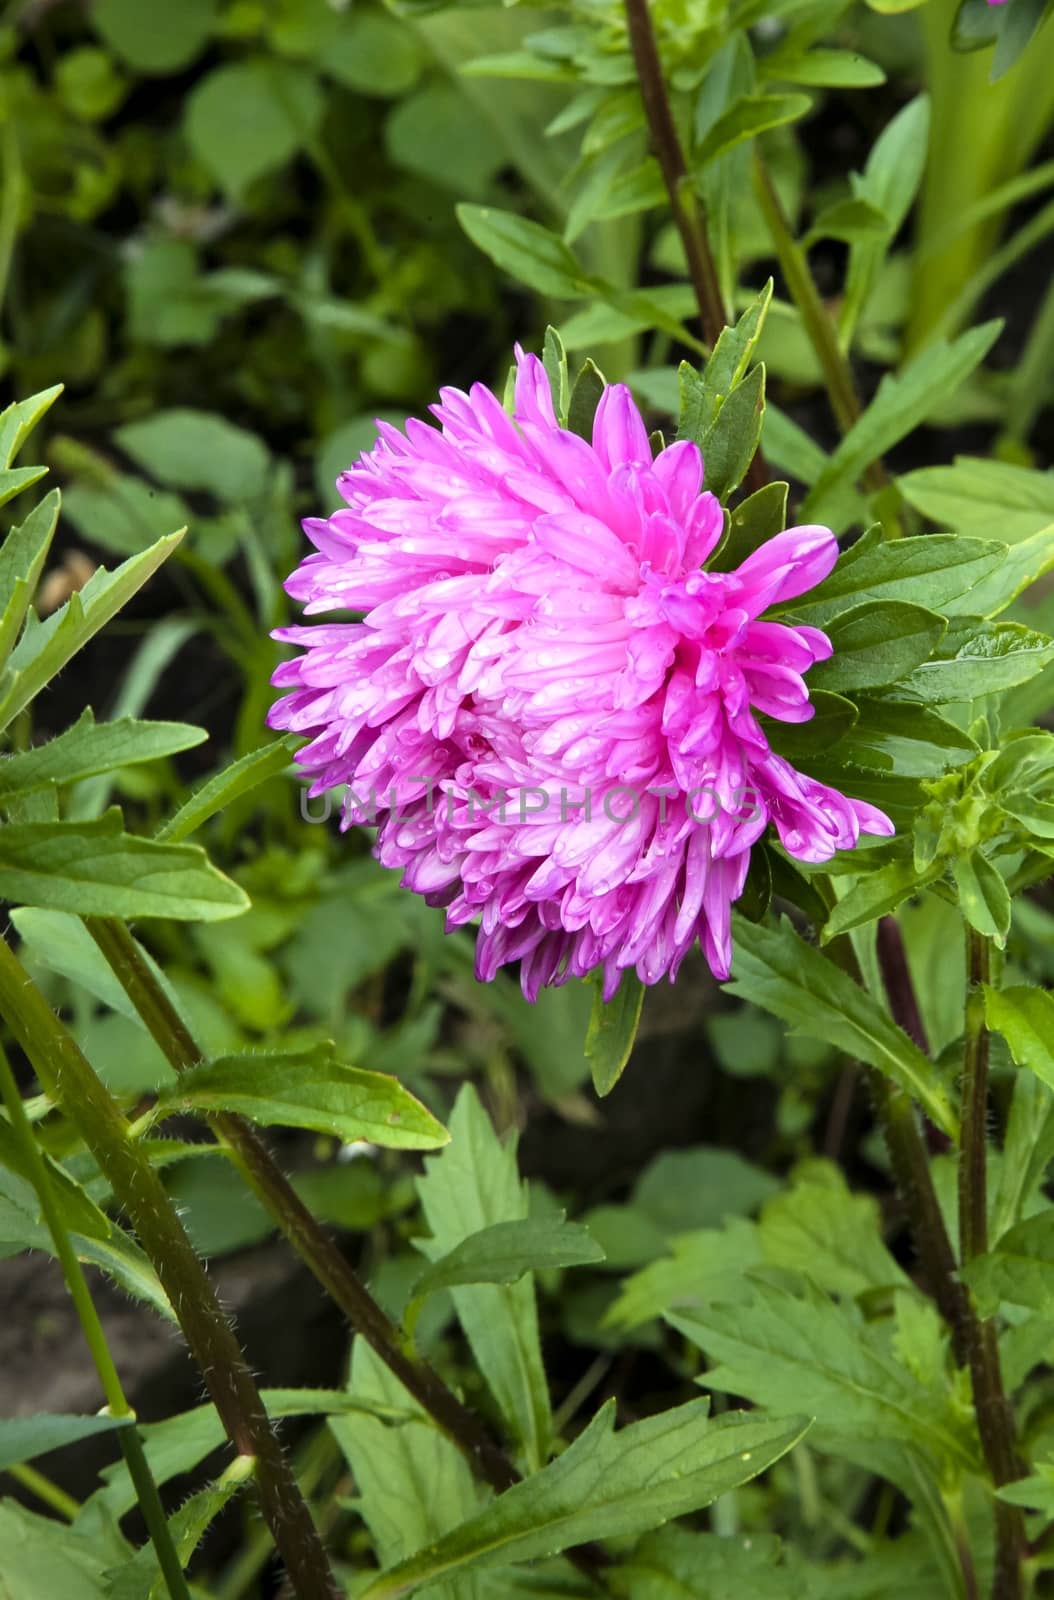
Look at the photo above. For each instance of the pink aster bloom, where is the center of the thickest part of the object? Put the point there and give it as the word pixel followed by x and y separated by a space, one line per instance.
pixel 549 706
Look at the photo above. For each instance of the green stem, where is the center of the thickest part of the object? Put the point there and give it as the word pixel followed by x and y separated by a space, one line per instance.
pixel 684 201
pixel 116 1402
pixel 995 1419
pixel 48 1493
pixel 303 1232
pixel 818 325
pixel 71 1082
pixel 11 200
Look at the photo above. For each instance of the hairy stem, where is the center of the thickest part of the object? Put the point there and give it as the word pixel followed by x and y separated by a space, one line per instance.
pixel 116 1402
pixel 995 1419
pixel 308 1239
pixel 70 1080
pixel 684 202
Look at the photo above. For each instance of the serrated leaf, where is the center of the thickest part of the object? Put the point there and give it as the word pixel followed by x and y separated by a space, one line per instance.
pixel 877 644
pixel 777 970
pixel 903 400
pixel 43 1557
pixel 612 1031
pixel 506 1251
pixel 928 572
pixel 605 1484
pixel 819 1228
pixel 308 1089
pixel 96 869
pixel 785 1352
pixel 226 786
pixel 472 1185
pixel 89 747
pixel 1020 1269
pixel 703 1265
pixel 976 658
pixel 414 1484
pixel 44 650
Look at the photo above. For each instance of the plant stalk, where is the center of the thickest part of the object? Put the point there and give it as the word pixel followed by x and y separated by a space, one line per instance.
pixel 995 1419
pixel 69 1079
pixel 116 1402
pixel 684 202
pixel 303 1232
pixel 821 330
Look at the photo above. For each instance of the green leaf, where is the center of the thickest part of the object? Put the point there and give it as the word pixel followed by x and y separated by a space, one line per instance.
pixel 907 741
pixel 699 1187
pixel 777 970
pixel 251 117
pixel 851 220
pixel 96 869
pixel 976 658
pixel 23 1438
pixel 1025 1017
pixel 154 39
pixel 1025 562
pixel 875 894
pixel 506 1251
pixel 832 1236
pixel 1020 1269
pixel 413 1483
pixel 889 183
pixel 371 53
pixel 525 250
pixel 186 449
pixel 983 895
pixel 833 717
pixel 751 524
pixel 89 747
pixel 226 786
pixel 585 397
pixel 704 393
pixel 141 1578
pixel 927 572
pixel 975 495
pixel 18 420
pixel 705 1265
pixel 473 1185
pixel 832 69
pixel 729 445
pixel 753 114
pixel 439 134
pixel 612 1031
pixel 22 558
pixel 45 648
pixel 877 644
pixel 79 1211
pixel 309 1089
pixel 554 360
pixel 903 400
pixel 45 1558
pixel 605 1484
pixel 784 1352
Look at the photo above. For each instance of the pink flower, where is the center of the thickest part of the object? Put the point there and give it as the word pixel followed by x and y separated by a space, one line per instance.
pixel 549 707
